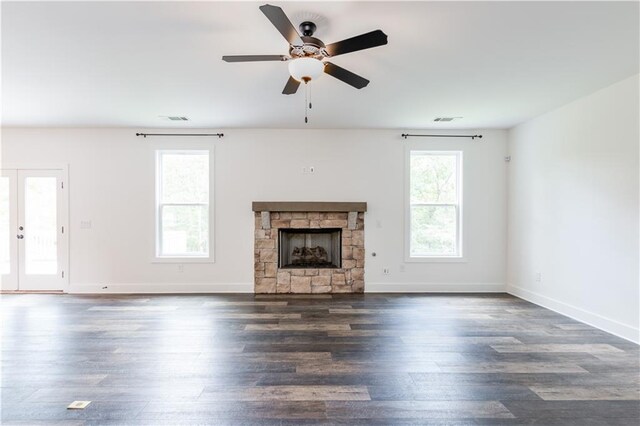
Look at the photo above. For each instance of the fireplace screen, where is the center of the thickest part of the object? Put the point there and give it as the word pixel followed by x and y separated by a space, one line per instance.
pixel 310 248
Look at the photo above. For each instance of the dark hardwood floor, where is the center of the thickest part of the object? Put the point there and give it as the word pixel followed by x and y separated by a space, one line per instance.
pixel 352 359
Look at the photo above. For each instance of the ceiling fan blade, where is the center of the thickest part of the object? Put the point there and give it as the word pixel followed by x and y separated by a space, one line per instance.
pixel 353 44
pixel 291 87
pixel 347 76
pixel 278 18
pixel 254 58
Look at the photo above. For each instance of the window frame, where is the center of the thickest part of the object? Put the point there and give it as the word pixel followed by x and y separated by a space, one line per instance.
pixel 159 206
pixel 459 255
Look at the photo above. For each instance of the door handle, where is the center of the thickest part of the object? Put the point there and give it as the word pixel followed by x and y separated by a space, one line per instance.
pixel 20 236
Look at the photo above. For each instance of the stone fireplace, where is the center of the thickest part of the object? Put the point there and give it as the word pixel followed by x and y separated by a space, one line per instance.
pixel 309 247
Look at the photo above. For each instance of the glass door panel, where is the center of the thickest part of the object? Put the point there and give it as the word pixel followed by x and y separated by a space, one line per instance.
pixel 5 226
pixel 41 225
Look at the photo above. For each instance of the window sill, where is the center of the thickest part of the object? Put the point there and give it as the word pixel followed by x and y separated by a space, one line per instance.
pixel 182 260
pixel 435 259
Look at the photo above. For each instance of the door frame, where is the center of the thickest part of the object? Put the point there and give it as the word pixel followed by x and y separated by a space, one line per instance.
pixel 10 281
pixel 63 205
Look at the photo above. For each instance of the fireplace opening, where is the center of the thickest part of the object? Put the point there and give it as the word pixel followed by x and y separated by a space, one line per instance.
pixel 310 248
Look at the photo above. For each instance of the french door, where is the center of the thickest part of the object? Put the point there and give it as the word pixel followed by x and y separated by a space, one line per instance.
pixel 34 229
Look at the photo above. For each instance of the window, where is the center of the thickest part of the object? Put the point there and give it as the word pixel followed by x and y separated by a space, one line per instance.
pixel 434 211
pixel 182 204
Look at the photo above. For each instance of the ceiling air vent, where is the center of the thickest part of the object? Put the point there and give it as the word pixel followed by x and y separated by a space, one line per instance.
pixel 446 118
pixel 175 118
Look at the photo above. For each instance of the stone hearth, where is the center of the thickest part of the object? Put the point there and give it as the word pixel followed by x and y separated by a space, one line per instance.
pixel 270 217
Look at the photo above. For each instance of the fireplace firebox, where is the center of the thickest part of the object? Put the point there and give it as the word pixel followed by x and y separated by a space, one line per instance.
pixel 310 248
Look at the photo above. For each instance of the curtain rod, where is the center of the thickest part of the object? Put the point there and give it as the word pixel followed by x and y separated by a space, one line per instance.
pixel 219 135
pixel 407 135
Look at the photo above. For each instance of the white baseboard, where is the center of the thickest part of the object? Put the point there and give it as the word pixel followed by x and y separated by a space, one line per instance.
pixel 595 320
pixel 133 288
pixel 434 288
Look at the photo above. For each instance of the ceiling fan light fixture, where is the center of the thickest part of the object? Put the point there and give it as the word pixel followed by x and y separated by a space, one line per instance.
pixel 306 69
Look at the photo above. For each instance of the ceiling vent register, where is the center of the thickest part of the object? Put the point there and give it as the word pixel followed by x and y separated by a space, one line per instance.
pixel 446 118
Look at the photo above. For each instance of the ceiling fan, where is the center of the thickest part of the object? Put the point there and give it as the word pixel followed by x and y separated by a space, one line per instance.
pixel 308 55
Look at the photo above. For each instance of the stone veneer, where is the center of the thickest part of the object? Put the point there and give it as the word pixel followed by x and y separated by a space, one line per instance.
pixel 270 279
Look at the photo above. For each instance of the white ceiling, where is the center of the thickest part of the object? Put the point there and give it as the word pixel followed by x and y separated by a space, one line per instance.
pixel 125 64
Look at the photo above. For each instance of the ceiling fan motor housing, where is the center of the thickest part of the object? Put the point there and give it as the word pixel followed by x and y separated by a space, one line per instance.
pixel 312 48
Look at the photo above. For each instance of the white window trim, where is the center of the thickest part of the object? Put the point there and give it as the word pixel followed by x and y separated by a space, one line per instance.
pixel 157 155
pixel 459 257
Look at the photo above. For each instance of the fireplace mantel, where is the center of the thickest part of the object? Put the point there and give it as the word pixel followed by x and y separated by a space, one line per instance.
pixel 308 206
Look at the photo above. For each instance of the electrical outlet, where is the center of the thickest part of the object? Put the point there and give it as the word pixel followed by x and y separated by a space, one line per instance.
pixel 180 268
pixel 386 270
pixel 305 170
pixel 538 277
pixel 85 224
pixel 401 268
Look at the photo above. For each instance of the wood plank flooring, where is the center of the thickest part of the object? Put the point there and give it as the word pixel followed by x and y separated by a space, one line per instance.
pixel 341 359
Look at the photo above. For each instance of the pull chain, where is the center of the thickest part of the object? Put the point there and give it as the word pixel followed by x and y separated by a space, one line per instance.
pixel 306 96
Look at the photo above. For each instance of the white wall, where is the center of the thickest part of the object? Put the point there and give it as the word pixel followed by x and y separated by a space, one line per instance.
pixel 573 209
pixel 111 184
